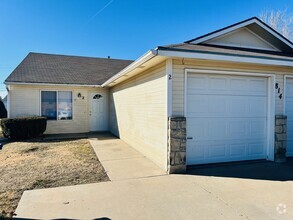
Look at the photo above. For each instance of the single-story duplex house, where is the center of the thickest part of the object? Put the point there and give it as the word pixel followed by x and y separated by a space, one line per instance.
pixel 222 97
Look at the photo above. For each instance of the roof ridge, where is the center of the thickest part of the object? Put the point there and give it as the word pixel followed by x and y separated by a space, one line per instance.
pixel 78 56
pixel 64 69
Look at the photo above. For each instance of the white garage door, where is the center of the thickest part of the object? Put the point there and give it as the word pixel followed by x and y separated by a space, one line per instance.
pixel 226 118
pixel 289 113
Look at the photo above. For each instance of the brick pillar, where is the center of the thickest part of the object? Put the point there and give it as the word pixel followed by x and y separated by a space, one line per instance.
pixel 176 145
pixel 280 138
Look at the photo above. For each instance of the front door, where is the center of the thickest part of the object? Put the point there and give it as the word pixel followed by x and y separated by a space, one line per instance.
pixel 97 114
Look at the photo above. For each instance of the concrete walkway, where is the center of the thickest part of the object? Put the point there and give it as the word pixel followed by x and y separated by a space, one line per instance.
pixel 120 161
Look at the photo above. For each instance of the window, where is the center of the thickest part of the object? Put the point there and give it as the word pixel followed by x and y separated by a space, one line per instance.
pixel 56 105
pixel 49 105
pixel 97 96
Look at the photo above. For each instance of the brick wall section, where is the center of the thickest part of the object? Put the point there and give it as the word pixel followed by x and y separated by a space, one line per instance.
pixel 280 138
pixel 176 145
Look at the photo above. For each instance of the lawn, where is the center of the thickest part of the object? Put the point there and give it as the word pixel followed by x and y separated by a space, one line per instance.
pixel 39 164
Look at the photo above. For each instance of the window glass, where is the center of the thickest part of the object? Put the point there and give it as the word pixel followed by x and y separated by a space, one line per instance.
pixel 64 105
pixel 49 104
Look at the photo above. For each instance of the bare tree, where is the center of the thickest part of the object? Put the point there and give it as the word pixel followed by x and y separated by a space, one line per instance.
pixel 279 20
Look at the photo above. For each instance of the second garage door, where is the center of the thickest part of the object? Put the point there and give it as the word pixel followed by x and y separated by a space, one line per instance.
pixel 289 113
pixel 226 118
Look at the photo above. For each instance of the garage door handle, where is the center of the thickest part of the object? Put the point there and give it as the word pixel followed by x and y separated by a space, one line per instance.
pixel 189 138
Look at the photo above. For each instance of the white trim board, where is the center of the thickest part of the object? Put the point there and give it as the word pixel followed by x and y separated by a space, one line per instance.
pixel 169 79
pixel 270 105
pixel 230 58
pixel 169 75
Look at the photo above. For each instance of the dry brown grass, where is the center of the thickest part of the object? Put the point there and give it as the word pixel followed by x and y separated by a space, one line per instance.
pixel 34 165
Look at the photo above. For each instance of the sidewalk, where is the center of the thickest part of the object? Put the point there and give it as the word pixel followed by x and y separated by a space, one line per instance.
pixel 121 161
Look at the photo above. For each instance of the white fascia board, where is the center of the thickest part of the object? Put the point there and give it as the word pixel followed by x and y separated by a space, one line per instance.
pixel 273 33
pixel 225 31
pixel 51 84
pixel 141 60
pixel 210 56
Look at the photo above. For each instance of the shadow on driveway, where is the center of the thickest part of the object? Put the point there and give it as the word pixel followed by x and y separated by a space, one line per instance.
pixel 259 170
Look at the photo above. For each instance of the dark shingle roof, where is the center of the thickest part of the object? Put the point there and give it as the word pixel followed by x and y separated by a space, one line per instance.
pixel 61 69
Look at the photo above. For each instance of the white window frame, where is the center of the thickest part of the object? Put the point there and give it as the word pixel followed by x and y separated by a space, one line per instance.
pixel 57 96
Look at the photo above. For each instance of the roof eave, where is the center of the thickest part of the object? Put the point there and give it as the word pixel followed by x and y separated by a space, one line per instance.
pixel 140 61
pixel 171 52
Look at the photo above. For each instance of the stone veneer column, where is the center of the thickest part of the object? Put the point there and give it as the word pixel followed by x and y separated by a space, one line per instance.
pixel 280 138
pixel 176 145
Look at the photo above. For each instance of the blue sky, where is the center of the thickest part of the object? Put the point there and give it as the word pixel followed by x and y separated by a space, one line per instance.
pixel 118 28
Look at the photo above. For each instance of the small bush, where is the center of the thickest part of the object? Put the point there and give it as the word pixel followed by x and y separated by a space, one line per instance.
pixel 24 127
pixel 3 111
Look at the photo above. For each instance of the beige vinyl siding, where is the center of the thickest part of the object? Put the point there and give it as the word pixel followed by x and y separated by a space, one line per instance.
pixel 179 67
pixel 280 102
pixel 25 101
pixel 138 113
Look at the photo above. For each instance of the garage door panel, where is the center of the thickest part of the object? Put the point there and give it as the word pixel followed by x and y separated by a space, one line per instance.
pixel 227 122
pixel 289 105
pixel 195 100
pixel 217 150
pixel 238 128
pixel 217 84
pixel 239 92
pixel 258 127
pixel 238 150
pixel 258 86
pixel 217 129
pixel 224 151
pixel 197 152
pixel 221 85
pixel 226 128
pixel 258 107
pixel 289 148
pixel 238 105
pixel 225 106
pixel 197 83
pixel 257 148
pixel 238 84
pixel 198 126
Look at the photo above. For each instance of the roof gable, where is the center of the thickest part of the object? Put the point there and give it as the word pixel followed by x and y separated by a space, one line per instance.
pixel 251 33
pixel 244 38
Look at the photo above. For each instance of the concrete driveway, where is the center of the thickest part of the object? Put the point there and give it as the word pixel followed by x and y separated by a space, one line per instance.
pixel 140 190
pixel 164 197
pixel 258 170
